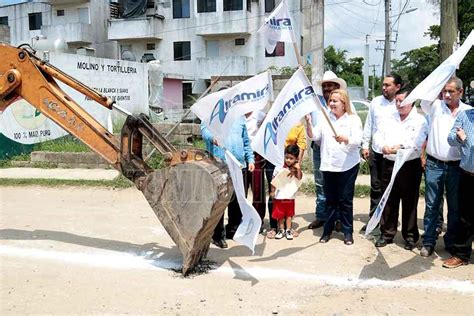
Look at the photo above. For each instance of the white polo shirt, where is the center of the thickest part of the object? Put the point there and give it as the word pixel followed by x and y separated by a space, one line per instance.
pixel 380 108
pixel 441 121
pixel 410 133
pixel 336 157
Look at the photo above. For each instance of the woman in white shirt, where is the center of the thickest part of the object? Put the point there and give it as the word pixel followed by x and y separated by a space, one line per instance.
pixel 339 162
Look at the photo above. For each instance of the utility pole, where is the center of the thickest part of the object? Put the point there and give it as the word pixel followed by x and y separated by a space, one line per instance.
pixel 317 40
pixel 387 56
pixel 373 80
pixel 448 28
pixel 366 68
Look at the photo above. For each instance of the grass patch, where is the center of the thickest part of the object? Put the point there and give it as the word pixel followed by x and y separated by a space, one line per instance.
pixel 63 144
pixel 118 183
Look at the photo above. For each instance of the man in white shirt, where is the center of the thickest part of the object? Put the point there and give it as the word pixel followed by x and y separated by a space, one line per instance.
pixel 403 130
pixel 442 165
pixel 380 107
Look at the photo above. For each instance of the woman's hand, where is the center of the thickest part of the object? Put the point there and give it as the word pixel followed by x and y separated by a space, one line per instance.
pixel 342 139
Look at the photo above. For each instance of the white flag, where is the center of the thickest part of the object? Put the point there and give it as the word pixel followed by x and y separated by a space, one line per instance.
pixel 296 99
pixel 247 232
pixel 219 110
pixel 401 158
pixel 430 88
pixel 278 27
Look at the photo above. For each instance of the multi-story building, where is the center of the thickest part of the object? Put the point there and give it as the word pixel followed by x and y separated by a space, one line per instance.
pixel 197 39
pixel 78 23
pixel 192 39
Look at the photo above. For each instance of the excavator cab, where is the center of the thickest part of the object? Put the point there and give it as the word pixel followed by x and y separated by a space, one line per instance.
pixel 189 195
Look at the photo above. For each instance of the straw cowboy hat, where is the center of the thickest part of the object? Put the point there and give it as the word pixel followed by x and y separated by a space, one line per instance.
pixel 329 76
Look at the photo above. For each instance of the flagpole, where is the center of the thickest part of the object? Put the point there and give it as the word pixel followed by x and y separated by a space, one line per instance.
pixel 298 56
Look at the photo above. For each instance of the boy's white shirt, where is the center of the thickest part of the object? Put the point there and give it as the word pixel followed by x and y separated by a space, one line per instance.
pixel 286 187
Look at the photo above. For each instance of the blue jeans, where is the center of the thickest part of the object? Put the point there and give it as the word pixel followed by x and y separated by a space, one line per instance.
pixel 320 209
pixel 439 176
pixel 339 189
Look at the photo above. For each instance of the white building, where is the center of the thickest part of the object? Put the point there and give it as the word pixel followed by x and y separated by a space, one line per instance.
pixel 192 39
pixel 44 23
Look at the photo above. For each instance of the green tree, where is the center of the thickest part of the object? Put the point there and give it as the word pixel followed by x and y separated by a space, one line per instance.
pixel 417 64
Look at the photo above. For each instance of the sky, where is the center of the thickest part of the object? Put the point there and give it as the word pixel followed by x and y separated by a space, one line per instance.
pixel 347 23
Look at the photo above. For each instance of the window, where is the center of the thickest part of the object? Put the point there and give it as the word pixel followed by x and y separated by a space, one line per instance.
pixel 233 5
pixel 206 6
pixel 239 41
pixel 150 4
pixel 249 5
pixel 278 52
pixel 60 13
pixel 182 50
pixel 3 20
pixel 269 5
pixel 212 49
pixel 150 46
pixel 84 15
pixel 180 9
pixel 35 21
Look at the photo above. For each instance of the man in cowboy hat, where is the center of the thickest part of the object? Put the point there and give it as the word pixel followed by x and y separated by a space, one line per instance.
pixel 329 83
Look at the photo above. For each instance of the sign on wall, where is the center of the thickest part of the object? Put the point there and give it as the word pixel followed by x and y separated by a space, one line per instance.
pixel 124 81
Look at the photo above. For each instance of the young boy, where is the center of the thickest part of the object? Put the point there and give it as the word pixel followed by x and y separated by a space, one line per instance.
pixel 285 183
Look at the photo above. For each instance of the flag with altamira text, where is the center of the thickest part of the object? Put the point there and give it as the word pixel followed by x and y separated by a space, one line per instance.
pixel 248 230
pixel 278 27
pixel 296 99
pixel 429 88
pixel 219 110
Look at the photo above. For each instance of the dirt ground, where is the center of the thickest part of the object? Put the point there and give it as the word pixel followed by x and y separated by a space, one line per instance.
pixel 102 251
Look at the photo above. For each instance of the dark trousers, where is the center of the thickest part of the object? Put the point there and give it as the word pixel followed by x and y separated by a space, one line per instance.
pixel 339 191
pixel 465 230
pixel 375 164
pixel 234 218
pixel 269 168
pixel 406 188
pixel 256 182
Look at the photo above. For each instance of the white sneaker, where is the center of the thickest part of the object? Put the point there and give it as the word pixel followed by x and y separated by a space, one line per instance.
pixel 280 234
pixel 289 235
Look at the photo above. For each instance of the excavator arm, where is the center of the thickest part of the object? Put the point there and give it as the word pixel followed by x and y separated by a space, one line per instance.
pixel 174 193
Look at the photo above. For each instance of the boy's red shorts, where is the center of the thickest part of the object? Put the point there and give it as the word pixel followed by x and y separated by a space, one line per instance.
pixel 283 208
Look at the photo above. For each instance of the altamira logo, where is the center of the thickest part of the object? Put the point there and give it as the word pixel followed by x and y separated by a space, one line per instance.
pixel 222 107
pixel 279 24
pixel 271 128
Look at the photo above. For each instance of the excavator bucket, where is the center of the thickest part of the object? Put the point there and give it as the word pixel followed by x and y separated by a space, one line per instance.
pixel 189 199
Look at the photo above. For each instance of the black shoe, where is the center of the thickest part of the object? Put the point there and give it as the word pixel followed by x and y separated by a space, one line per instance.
pixel 221 243
pixel 426 251
pixel 338 226
pixel 348 240
pixel 382 242
pixel 410 244
pixel 363 229
pixel 316 224
pixel 324 239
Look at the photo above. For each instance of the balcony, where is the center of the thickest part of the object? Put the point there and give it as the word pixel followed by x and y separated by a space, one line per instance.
pixel 222 23
pixel 150 27
pixel 73 33
pixel 233 65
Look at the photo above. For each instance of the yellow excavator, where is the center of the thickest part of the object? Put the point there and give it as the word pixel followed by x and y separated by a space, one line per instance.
pixel 188 195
